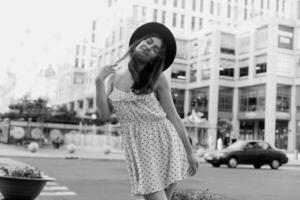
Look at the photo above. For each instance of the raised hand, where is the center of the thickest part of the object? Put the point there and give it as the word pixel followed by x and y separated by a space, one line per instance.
pixel 105 72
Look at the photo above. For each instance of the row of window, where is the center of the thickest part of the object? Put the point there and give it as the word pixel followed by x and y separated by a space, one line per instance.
pixel 198 5
pixel 251 99
pixel 226 69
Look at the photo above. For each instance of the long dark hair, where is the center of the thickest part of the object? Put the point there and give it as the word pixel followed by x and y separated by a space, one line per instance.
pixel 144 81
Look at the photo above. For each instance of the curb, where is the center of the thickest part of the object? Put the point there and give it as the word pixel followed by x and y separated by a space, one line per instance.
pixel 101 159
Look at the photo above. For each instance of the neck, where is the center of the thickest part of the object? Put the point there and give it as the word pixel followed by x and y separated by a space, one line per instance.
pixel 141 67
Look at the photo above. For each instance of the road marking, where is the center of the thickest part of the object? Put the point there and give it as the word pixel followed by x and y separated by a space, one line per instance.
pixel 65 193
pixel 51 183
pixel 54 189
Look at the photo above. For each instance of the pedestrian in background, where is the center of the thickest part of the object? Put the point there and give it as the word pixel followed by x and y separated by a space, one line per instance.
pixel 157 150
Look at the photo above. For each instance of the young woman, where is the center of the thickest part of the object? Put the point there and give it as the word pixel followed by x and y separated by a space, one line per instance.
pixel 158 152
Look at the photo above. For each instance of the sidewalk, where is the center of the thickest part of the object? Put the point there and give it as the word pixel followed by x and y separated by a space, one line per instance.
pixel 11 150
pixel 96 153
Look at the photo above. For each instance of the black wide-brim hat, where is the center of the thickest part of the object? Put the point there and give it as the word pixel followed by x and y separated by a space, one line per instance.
pixel 164 33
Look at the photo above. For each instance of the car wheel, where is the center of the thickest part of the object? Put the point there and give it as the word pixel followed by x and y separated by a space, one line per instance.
pixel 232 163
pixel 216 165
pixel 257 166
pixel 274 164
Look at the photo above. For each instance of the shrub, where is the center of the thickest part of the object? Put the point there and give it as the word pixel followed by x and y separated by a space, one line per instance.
pixel 192 194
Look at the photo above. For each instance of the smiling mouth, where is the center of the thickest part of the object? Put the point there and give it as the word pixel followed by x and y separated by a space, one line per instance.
pixel 144 52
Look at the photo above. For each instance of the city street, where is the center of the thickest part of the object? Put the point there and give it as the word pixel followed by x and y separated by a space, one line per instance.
pixel 108 180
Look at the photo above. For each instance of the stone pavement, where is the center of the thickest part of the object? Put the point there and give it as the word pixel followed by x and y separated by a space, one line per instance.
pixel 83 152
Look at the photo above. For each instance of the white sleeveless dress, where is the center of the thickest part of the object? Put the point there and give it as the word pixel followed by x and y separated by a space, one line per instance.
pixel 155 155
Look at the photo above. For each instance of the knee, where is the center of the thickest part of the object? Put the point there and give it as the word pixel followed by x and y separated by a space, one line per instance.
pixel 160 195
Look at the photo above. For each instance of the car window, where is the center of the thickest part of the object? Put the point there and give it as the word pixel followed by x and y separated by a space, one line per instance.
pixel 250 146
pixel 258 145
pixel 265 146
pixel 253 146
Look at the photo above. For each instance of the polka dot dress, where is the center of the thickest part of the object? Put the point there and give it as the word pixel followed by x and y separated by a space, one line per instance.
pixel 155 155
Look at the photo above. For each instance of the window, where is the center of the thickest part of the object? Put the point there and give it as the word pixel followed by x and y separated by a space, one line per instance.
pixel 245 13
pixel 163 17
pixel 76 62
pixel 155 15
pixel 182 49
pixel 244 71
pixel 261 37
pixel 227 43
pixel 227 72
pixel 227 67
pixel 82 63
pixel 194 5
pixel 164 2
pixel 262 4
pixel 218 9
pixel 120 33
pixel 113 36
pixel 298 9
pixel 178 74
pixel 244 67
pixel 90 103
pixel 243 45
pixel 93 38
pixel 200 23
pixel 77 49
pixel 182 21
pixel 277 5
pixel 211 7
pixel 261 64
pixel 193 23
pixel 283 98
pixel 174 19
pixel 193 72
pixel 178 99
pixel 193 75
pixel 201 5
pixel 80 104
pixel 144 12
pixel 183 4
pixel 229 9
pixel 175 3
pixel 135 12
pixel 225 99
pixel 252 99
pixel 199 101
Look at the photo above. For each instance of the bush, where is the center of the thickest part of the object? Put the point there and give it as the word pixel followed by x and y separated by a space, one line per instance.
pixel 192 194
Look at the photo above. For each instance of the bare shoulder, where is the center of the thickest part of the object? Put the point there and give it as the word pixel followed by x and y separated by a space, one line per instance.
pixel 162 82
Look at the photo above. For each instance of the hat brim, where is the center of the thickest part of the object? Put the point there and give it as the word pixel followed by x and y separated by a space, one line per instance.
pixel 162 31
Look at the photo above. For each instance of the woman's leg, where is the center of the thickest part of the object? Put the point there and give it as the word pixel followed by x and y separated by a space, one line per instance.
pixel 160 195
pixel 169 191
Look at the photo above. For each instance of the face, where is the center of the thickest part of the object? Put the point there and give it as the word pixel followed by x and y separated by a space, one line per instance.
pixel 148 49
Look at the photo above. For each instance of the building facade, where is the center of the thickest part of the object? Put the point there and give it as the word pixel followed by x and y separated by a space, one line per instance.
pixel 236 61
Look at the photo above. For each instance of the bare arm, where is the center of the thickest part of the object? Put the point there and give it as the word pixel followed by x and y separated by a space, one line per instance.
pixel 103 106
pixel 165 98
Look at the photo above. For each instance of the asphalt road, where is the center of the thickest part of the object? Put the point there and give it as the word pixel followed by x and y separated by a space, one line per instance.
pixel 108 180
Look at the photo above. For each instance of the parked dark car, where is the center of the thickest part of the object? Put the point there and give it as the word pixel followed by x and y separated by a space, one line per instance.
pixel 253 152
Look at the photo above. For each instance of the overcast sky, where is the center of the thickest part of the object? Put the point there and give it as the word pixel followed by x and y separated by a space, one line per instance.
pixel 35 33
